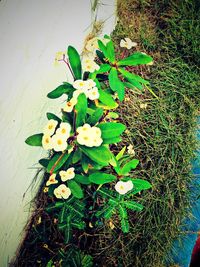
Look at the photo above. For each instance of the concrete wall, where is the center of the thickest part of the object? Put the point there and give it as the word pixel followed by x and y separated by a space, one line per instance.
pixel 31 32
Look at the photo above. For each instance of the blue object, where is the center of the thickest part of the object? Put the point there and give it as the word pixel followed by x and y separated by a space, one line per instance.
pixel 182 248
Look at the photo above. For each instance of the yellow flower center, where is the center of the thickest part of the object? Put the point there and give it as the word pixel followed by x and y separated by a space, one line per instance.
pixel 121 187
pixel 63 131
pixel 50 126
pixel 47 140
pixel 59 142
pixel 85 138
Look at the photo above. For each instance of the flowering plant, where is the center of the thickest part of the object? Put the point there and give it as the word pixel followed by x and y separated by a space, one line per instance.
pixel 82 168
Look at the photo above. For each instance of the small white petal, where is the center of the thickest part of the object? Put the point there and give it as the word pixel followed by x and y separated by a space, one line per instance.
pixel 93 93
pixel 50 127
pixel 47 142
pixel 59 143
pixel 52 180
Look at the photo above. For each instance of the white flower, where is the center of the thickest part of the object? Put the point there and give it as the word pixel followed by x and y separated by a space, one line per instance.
pixel 89 65
pixel 52 180
pixel 77 92
pixel 89 136
pixel 123 187
pixel 93 93
pixel 62 191
pixel 92 45
pixel 59 142
pixel 46 142
pixel 90 84
pixel 95 131
pixel 68 107
pixel 80 84
pixel 64 130
pixel 127 43
pixel 67 175
pixel 131 151
pixel 97 141
pixel 83 128
pixel 49 129
pixel 85 139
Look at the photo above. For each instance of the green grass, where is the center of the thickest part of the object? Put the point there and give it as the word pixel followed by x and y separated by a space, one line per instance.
pixel 163 133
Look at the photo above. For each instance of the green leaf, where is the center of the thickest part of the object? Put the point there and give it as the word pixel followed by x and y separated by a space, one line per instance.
pixel 85 163
pixel 81 110
pixel 68 231
pixel 112 77
pixel 101 178
pixel 50 263
pixel 140 184
pixel 125 225
pixel 113 140
pixel 113 115
pixel 121 153
pixel 103 48
pixel 132 84
pixel 103 69
pixel 75 189
pixel 101 154
pixel 75 62
pixel 111 129
pixel 109 212
pixel 130 76
pixel 100 56
pixel 34 140
pixel 60 90
pixel 57 161
pixel 82 179
pixel 110 51
pixel 124 219
pixel 51 116
pixel 129 166
pixel 135 59
pixel 107 99
pixel 95 117
pixel 133 205
pixel 116 84
pixel 76 156
pixel 44 162
pixel 62 214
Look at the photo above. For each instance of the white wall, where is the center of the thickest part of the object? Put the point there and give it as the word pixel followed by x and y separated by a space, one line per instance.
pixel 31 32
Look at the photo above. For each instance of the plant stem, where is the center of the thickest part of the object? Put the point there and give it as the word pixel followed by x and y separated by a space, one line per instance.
pixel 67 63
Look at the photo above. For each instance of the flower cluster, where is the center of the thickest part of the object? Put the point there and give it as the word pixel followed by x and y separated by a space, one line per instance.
pixel 89 136
pixel 62 191
pixel 123 187
pixel 87 87
pixel 89 65
pixel 56 139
